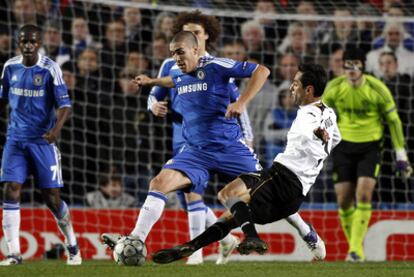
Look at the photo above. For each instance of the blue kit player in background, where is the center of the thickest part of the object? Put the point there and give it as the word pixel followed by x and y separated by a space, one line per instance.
pixel 213 137
pixel 207 29
pixel 34 87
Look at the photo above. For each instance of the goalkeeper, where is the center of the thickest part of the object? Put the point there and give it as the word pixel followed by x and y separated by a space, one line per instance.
pixel 362 102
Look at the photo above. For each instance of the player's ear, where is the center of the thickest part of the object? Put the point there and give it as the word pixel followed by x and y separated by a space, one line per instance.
pixel 310 90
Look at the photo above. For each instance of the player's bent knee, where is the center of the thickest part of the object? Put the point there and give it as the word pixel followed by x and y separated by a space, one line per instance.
pixel 12 192
pixel 159 184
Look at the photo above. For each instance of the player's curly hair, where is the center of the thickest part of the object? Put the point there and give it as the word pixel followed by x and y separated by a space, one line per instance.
pixel 210 24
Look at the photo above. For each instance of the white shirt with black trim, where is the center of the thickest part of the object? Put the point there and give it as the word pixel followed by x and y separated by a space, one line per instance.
pixel 305 153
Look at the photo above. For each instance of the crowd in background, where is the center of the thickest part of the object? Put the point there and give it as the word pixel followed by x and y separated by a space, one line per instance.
pixel 112 144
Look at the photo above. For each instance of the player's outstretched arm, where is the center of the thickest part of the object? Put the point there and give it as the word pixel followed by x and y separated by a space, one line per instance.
pixel 144 80
pixel 254 85
pixel 62 115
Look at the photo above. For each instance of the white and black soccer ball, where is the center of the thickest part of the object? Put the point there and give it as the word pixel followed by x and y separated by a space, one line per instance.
pixel 130 251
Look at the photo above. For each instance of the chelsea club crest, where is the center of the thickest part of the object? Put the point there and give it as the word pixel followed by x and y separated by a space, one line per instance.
pixel 201 74
pixel 37 80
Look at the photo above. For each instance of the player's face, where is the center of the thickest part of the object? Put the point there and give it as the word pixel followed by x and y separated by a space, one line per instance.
pixel 297 90
pixel 353 69
pixel 29 44
pixel 185 56
pixel 199 32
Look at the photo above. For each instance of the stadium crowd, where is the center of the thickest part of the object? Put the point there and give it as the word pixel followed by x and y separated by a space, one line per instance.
pixel 100 48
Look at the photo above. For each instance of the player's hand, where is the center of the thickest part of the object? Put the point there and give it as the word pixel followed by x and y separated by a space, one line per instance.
pixel 142 80
pixel 235 109
pixel 322 134
pixel 51 136
pixel 160 108
pixel 404 169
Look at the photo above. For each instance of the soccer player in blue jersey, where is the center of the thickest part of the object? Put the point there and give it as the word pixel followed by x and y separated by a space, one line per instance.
pixel 207 30
pixel 34 87
pixel 212 135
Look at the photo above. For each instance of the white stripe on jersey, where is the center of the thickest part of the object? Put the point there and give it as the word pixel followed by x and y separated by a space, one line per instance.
pixel 53 68
pixel 14 60
pixel 305 153
pixel 227 63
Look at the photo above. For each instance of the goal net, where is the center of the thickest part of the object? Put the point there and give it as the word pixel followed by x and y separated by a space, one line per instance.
pixel 112 138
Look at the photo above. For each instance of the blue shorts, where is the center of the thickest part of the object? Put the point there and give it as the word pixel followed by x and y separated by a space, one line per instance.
pixel 20 159
pixel 197 164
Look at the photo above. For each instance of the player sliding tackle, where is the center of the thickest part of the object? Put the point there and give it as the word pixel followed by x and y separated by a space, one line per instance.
pixel 277 192
pixel 212 134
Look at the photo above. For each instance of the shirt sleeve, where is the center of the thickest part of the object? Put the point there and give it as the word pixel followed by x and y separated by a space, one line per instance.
pixel 389 110
pixel 60 89
pixel 230 68
pixel 160 93
pixel 4 86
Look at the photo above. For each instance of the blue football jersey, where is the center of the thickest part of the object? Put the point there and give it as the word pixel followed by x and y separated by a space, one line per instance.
pixel 204 95
pixel 157 93
pixel 33 94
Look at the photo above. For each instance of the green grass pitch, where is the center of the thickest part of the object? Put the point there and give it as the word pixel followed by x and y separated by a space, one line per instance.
pixel 239 269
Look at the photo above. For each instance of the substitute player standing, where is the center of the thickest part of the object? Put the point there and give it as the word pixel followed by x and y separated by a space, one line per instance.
pixel 34 87
pixel 362 103
pixel 275 193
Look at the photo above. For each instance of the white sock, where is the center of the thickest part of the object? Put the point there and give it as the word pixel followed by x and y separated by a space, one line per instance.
pixel 11 226
pixel 211 218
pixel 65 224
pixel 196 221
pixel 149 214
pixel 297 221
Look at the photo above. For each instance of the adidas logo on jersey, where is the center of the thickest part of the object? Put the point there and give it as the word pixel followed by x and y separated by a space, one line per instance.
pixel 178 79
pixel 14 78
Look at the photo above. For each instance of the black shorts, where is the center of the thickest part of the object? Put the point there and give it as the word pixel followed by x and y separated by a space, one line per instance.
pixel 275 193
pixel 353 160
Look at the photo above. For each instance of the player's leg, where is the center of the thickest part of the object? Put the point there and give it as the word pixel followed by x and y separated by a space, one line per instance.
pixel 196 212
pixel 11 223
pixel 47 171
pixel 166 181
pixel 235 196
pixel 362 215
pixel 345 192
pixel 14 169
pixel 214 233
pixel 60 210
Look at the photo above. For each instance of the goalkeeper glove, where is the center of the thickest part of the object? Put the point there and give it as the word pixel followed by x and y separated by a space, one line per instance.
pixel 403 166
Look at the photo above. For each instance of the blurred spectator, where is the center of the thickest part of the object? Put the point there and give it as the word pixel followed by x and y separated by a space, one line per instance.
pixel 137 33
pixel 81 37
pixel 288 66
pixel 97 16
pixel 163 24
pixel 366 30
pixel 110 193
pixel 53 45
pixel 131 133
pixel 6 50
pixel 336 64
pixel 47 10
pixel 96 101
pixel 297 42
pixel 159 51
pixel 277 125
pixel 139 61
pixel 401 87
pixel 314 28
pixel 234 50
pixel 274 29
pixel 342 34
pixel 393 33
pixel 114 48
pixel 24 12
pixel 396 10
pixel 258 48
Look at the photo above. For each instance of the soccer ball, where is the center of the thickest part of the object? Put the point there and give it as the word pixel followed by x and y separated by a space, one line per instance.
pixel 130 251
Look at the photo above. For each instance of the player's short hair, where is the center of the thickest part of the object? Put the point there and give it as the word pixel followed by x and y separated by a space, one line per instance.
pixel 185 36
pixel 30 28
pixel 353 53
pixel 211 25
pixel 313 75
